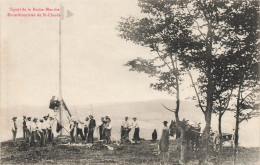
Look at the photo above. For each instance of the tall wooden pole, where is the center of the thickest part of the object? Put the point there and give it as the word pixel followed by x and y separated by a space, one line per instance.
pixel 60 80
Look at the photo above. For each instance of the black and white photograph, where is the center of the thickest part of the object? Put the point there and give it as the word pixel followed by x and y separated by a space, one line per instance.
pixel 125 82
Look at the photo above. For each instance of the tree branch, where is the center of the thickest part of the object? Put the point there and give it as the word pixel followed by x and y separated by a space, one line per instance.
pixel 203 35
pixel 168 109
pixel 193 84
pixel 163 59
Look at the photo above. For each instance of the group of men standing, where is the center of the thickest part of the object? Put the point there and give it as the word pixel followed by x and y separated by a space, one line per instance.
pixel 105 129
pixel 86 129
pixel 35 130
pixel 126 127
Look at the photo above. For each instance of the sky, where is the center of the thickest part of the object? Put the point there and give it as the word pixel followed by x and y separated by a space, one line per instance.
pixel 92 55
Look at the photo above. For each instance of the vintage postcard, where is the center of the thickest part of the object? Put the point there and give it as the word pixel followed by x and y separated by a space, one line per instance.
pixel 129 82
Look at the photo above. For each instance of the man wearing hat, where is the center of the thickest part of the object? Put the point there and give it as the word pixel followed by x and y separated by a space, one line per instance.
pixel 14 129
pixel 45 126
pixel 34 129
pixel 92 125
pixel 135 127
pixel 28 130
pixel 101 128
pixel 108 128
pixel 49 129
pixel 125 129
pixel 24 127
pixel 42 130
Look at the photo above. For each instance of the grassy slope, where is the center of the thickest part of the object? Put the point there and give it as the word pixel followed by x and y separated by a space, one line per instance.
pixel 143 153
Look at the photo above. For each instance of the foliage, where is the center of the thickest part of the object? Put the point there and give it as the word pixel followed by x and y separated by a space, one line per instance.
pixel 164 31
pixel 219 39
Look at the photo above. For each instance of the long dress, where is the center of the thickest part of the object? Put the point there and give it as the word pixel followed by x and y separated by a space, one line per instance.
pixel 164 142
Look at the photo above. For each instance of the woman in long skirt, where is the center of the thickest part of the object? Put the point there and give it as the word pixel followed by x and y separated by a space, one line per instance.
pixel 164 141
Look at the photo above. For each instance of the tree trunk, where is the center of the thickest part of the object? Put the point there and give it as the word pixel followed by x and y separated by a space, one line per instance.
pixel 209 95
pixel 220 137
pixel 206 136
pixel 183 148
pixel 183 142
pixel 237 125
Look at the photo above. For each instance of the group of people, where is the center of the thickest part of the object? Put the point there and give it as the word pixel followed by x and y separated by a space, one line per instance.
pixel 35 130
pixel 126 127
pixel 86 129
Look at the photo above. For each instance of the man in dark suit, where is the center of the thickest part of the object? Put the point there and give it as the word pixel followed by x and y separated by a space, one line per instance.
pixel 24 127
pixel 92 125
pixel 54 104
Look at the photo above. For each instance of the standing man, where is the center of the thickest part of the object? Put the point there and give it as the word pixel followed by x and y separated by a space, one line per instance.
pixel 42 130
pixel 125 130
pixel 28 130
pixel 14 129
pixel 72 130
pixel 92 125
pixel 34 128
pixel 24 127
pixel 45 127
pixel 135 126
pixel 80 130
pixel 108 128
pixel 101 129
pixel 86 125
pixel 49 129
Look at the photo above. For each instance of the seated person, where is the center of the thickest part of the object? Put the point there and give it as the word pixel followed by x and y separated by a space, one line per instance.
pixel 54 103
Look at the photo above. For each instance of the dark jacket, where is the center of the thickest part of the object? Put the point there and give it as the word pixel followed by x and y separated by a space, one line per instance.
pixel 92 123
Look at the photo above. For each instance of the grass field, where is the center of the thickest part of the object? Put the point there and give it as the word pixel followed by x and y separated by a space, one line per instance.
pixel 145 152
